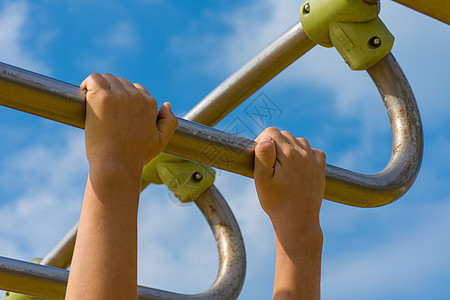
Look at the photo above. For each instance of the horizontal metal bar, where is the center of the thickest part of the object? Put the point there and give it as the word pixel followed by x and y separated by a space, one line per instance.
pixel 438 9
pixel 44 281
pixel 252 76
pixel 65 103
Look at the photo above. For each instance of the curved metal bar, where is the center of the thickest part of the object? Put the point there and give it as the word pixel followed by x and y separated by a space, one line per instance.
pixel 257 72
pixel 49 282
pixel 59 101
pixel 407 146
pixel 232 261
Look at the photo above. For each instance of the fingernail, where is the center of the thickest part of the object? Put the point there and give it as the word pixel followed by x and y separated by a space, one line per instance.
pixel 266 138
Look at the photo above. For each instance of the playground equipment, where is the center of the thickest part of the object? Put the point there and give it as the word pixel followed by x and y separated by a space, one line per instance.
pixel 351 26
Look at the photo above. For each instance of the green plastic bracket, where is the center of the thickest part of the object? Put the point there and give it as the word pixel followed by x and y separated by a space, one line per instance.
pixel 16 296
pixel 351 26
pixel 185 178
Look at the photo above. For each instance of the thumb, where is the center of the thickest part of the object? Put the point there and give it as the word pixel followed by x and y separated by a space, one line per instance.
pixel 265 158
pixel 167 123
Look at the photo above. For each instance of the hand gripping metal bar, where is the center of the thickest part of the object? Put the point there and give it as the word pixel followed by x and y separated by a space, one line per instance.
pixel 49 282
pixel 63 102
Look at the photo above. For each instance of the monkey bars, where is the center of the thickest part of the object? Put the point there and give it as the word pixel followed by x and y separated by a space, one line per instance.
pixel 196 141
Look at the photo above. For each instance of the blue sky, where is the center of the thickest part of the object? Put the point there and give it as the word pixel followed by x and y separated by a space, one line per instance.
pixel 181 50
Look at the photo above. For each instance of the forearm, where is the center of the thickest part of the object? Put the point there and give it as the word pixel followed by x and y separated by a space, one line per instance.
pixel 104 265
pixel 298 266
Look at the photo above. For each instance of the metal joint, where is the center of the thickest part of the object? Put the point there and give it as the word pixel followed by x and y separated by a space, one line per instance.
pixel 351 26
pixel 185 178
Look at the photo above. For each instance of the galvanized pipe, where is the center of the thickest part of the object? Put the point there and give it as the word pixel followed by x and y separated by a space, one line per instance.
pixel 61 255
pixel 252 76
pixel 49 282
pixel 407 146
pixel 438 9
pixel 63 102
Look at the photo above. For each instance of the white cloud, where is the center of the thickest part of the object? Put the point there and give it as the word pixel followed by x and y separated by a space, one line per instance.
pixel 119 38
pixel 13 18
pixel 405 262
pixel 122 36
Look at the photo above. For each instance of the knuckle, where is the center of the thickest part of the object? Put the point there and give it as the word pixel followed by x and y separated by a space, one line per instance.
pixel 122 94
pixel 271 130
pixel 290 152
pixel 94 75
pixel 134 94
pixel 304 142
pixel 321 154
pixel 152 102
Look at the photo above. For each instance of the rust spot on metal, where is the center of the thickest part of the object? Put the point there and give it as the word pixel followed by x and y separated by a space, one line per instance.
pixel 396 149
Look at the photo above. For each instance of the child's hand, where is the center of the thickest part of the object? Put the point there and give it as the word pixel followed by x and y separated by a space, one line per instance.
pixel 123 125
pixel 290 180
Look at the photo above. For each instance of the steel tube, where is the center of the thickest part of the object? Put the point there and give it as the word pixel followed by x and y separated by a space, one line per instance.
pixel 438 9
pixel 61 255
pixel 49 282
pixel 252 76
pixel 32 279
pixel 65 103
pixel 407 146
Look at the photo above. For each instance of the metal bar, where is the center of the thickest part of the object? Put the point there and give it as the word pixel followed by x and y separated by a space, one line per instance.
pixel 49 282
pixel 32 279
pixel 438 9
pixel 61 255
pixel 407 146
pixel 230 245
pixel 252 76
pixel 63 102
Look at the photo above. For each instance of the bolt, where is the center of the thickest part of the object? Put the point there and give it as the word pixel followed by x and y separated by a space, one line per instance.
pixel 375 42
pixel 306 8
pixel 197 176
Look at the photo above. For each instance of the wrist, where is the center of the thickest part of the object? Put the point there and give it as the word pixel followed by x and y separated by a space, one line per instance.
pixel 111 167
pixel 294 241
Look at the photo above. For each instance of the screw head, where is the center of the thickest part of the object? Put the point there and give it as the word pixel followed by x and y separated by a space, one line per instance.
pixel 375 42
pixel 306 8
pixel 197 176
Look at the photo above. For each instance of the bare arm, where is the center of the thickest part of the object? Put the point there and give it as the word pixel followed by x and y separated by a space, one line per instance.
pixel 290 180
pixel 124 131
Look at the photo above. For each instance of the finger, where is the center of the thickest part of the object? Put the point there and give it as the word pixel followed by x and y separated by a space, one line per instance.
pixel 281 142
pixel 290 137
pixel 142 88
pixel 113 81
pixel 272 132
pixel 265 157
pixel 126 84
pixel 95 82
pixel 167 124
pixel 320 157
pixel 302 142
